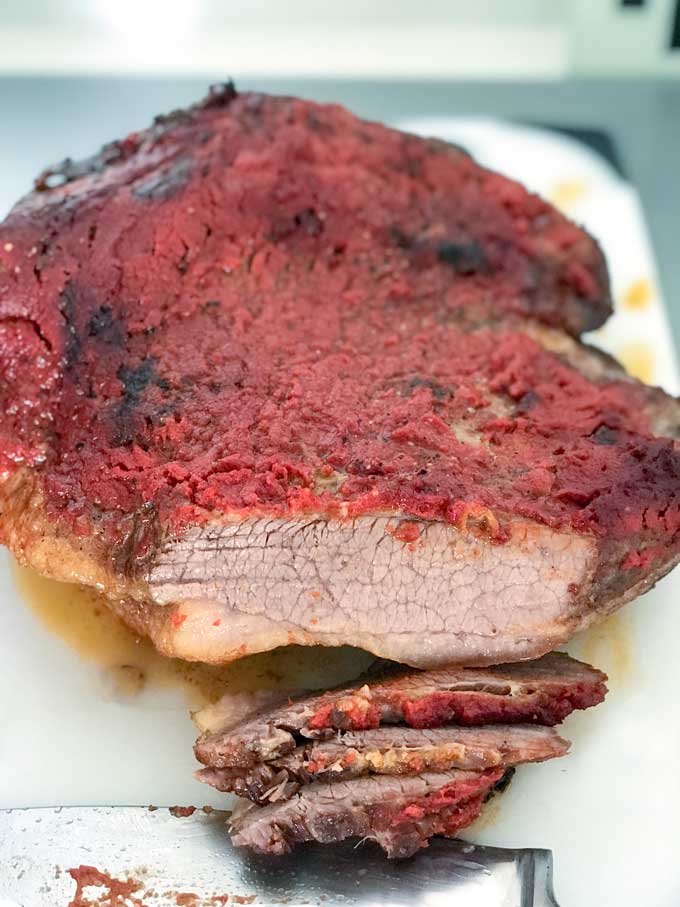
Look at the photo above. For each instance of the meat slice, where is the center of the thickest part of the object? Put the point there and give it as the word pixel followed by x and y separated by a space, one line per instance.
pixel 350 762
pixel 541 692
pixel 388 751
pixel 272 374
pixel 398 813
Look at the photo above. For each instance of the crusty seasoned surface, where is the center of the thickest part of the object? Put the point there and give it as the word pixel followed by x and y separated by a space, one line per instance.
pixel 394 750
pixel 398 813
pixel 273 374
pixel 542 692
pixel 397 757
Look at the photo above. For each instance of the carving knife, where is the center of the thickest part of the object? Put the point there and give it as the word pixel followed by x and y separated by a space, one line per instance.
pixel 146 857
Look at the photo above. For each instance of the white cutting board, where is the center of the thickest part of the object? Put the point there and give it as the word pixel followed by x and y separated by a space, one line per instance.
pixel 608 811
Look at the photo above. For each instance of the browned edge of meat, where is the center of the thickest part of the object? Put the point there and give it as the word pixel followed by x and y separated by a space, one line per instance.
pixel 400 813
pixel 393 750
pixel 543 691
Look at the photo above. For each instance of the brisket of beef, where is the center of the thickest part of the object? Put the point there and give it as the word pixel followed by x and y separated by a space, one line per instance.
pixel 388 751
pixel 540 692
pixel 350 762
pixel 272 374
pixel 399 813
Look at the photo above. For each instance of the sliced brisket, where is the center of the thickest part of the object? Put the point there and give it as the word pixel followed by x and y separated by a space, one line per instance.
pixel 399 813
pixel 388 751
pixel 309 777
pixel 274 374
pixel 543 692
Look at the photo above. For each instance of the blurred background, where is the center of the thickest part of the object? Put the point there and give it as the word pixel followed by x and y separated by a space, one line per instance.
pixel 358 38
pixel 76 73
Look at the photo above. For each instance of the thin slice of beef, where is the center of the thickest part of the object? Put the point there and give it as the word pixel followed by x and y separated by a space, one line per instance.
pixel 541 692
pixel 388 751
pixel 395 758
pixel 399 813
pixel 271 374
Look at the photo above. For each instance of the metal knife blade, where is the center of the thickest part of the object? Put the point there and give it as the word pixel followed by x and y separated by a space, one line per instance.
pixel 176 860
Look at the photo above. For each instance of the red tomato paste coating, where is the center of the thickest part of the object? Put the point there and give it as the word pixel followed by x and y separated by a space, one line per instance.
pixel 264 305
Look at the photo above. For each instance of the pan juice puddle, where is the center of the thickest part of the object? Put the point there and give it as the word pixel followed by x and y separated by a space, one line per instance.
pixel 637 357
pixel 609 647
pixel 129 664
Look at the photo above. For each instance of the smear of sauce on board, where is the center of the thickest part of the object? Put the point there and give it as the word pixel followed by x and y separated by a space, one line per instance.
pixel 637 357
pixel 609 646
pixel 567 193
pixel 129 664
pixel 638 296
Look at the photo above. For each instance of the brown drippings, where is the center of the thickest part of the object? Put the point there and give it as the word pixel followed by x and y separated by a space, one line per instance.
pixel 126 680
pixel 637 357
pixel 609 645
pixel 567 193
pixel 638 296
pixel 80 617
pixel 109 891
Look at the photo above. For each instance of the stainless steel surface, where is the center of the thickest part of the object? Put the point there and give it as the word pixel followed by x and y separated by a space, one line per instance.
pixel 171 855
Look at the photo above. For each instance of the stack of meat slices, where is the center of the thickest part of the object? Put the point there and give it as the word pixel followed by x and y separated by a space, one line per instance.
pixel 397 757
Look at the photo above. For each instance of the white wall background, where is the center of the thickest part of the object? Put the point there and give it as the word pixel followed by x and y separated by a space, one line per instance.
pixel 361 38
pixel 485 38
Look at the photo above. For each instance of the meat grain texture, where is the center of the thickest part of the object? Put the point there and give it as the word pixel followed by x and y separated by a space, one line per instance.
pixel 272 374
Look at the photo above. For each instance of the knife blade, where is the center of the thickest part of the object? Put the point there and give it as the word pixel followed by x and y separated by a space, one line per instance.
pixel 147 857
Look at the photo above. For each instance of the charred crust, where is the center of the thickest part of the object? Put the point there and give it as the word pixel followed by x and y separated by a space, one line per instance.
pixel 140 543
pixel 464 257
pixel 400 238
pixel 177 117
pixel 503 783
pixel 317 124
pixel 221 94
pixel 439 392
pixel 605 436
pixel 167 182
pixel 135 380
pixel 305 223
pixel 68 302
pixel 527 402
pixel 68 170
pixel 104 326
